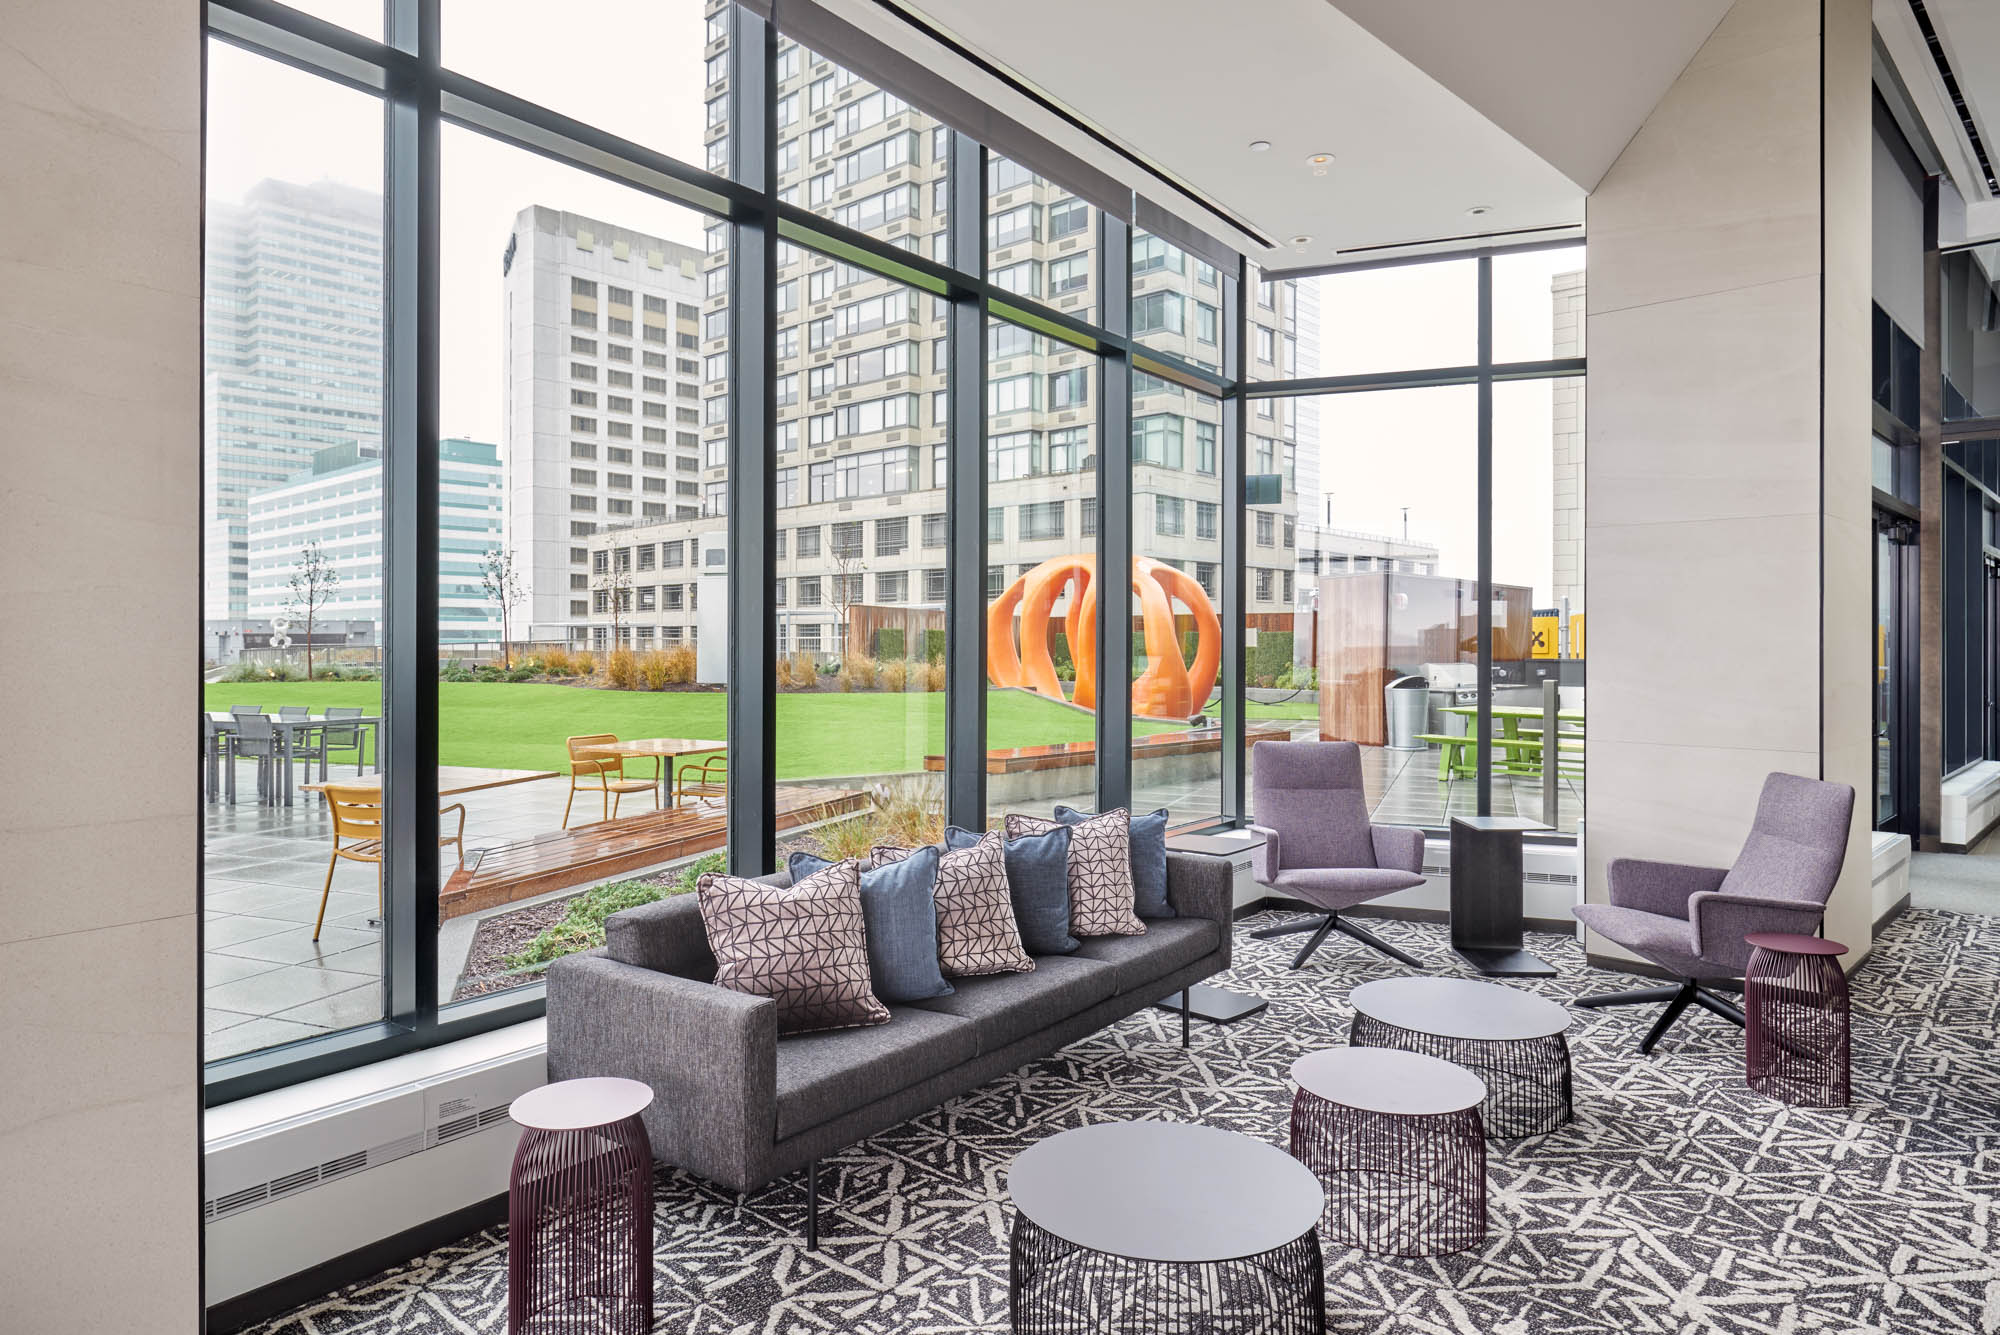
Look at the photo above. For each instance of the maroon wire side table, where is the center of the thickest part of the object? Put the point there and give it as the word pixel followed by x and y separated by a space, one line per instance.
pixel 580 1211
pixel 1796 1032
pixel 1396 1139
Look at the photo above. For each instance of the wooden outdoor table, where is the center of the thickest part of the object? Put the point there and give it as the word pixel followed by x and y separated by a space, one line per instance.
pixel 663 749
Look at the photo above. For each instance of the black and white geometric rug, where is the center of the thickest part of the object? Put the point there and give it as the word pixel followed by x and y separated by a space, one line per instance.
pixel 1677 1201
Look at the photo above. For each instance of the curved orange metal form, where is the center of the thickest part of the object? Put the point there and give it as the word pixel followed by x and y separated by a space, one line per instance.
pixel 1168 688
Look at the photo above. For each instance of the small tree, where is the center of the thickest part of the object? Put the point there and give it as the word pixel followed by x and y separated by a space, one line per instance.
pixel 496 576
pixel 846 592
pixel 616 586
pixel 313 581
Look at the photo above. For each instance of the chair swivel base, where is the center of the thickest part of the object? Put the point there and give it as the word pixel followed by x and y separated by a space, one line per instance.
pixel 1319 927
pixel 1677 997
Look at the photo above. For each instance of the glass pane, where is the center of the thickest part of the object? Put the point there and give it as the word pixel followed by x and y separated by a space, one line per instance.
pixel 651 71
pixel 1888 686
pixel 861 156
pixel 859 594
pixel 362 16
pixel 1041 241
pixel 1971 353
pixel 580 589
pixel 1177 574
pixel 1538 475
pixel 1177 302
pixel 1538 305
pixel 1390 563
pixel 292 525
pixel 1041 529
pixel 1396 319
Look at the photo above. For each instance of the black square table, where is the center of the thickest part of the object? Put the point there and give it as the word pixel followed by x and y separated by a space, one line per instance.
pixel 1486 919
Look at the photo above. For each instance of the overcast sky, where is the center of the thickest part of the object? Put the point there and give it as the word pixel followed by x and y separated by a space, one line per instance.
pixel 637 71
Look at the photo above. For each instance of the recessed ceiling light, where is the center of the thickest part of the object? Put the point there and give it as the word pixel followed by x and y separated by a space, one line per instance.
pixel 1260 145
pixel 1302 241
pixel 1319 162
pixel 1479 210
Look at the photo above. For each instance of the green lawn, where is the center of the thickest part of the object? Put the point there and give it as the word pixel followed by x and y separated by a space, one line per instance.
pixel 522 725
pixel 1294 709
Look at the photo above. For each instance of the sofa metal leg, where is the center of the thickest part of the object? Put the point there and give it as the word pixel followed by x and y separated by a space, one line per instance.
pixel 1312 942
pixel 1368 938
pixel 812 1206
pixel 1683 997
pixel 1185 1003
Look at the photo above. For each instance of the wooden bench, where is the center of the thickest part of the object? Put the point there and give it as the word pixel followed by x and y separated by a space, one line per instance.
pixel 586 854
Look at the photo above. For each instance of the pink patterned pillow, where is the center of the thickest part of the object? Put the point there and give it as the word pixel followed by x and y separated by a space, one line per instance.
pixel 1100 871
pixel 803 946
pixel 976 929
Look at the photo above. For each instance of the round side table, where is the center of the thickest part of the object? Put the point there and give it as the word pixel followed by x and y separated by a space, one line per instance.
pixel 1396 1139
pixel 580 1210
pixel 1796 1026
pixel 1158 1228
pixel 1513 1040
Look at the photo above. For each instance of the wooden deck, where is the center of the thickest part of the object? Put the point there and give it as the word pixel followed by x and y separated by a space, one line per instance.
pixel 1072 755
pixel 584 854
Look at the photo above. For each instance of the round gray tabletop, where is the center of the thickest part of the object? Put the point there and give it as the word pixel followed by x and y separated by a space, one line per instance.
pixel 577 1105
pixel 1164 1191
pixel 1463 1008
pixel 1388 1080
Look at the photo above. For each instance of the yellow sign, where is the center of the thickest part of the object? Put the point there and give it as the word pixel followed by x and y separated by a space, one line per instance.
pixel 1543 643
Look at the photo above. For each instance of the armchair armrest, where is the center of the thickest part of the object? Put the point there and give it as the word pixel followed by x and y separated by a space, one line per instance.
pixel 1400 847
pixel 1199 886
pixel 710 1056
pixel 1658 887
pixel 1265 862
pixel 1722 921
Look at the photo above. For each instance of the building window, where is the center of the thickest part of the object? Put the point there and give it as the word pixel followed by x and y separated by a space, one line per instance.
pixel 1169 516
pixel 1156 439
pixel 892 586
pixel 808 543
pixel 1263 586
pixel 1041 521
pixel 936 587
pixel 891 536
pixel 1087 517
pixel 936 530
pixel 1069 389
pixel 1266 529
pixel 1157 313
pixel 996 525
pixel 1207 519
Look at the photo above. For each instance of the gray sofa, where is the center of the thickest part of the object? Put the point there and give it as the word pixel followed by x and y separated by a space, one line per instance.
pixel 740 1106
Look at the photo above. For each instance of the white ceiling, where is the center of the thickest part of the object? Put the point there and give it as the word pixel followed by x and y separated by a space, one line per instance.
pixel 1429 109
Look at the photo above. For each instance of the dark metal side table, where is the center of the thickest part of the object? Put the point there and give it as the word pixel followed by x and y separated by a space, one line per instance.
pixel 1796 1030
pixel 580 1211
pixel 1146 1228
pixel 1486 916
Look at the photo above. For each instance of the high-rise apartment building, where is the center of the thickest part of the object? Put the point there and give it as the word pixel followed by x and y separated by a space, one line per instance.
pixel 292 356
pixel 861 361
pixel 603 400
pixel 338 504
pixel 1566 291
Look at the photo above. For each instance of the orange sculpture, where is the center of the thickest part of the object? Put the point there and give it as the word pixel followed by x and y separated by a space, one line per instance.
pixel 1168 688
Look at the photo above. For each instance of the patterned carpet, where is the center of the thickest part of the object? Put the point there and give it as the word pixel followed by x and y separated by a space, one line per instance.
pixel 1677 1201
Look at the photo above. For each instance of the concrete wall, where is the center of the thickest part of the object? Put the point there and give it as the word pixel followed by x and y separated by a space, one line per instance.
pixel 1727 495
pixel 100 260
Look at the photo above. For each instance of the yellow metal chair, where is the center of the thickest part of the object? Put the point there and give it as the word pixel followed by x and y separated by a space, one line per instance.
pixel 707 777
pixel 594 771
pixel 357 817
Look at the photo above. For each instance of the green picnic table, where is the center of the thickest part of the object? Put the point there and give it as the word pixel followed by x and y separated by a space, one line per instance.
pixel 1520 747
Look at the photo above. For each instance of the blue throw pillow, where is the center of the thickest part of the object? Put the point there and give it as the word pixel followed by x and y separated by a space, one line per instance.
pixel 1149 859
pixel 1038 885
pixel 900 918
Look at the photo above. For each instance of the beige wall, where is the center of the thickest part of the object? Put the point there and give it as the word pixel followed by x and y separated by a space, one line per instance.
pixel 1727 504
pixel 100 378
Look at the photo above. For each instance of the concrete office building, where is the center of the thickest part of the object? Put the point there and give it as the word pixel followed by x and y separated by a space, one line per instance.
pixel 292 355
pixel 338 504
pixel 602 383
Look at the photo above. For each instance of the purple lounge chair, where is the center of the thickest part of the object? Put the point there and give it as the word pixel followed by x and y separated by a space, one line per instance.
pixel 1318 844
pixel 1691 921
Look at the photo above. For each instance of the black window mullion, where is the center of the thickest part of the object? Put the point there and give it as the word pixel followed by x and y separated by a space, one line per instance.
pixel 1484 582
pixel 965 495
pixel 407 742
pixel 1114 521
pixel 1234 330
pixel 753 413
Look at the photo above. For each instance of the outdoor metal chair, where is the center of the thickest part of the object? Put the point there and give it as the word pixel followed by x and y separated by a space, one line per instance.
pixel 255 737
pixel 357 816
pixel 603 773
pixel 347 736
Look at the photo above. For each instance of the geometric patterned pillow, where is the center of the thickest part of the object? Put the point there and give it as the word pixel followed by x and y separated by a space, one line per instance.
pixel 1100 871
pixel 804 946
pixel 975 915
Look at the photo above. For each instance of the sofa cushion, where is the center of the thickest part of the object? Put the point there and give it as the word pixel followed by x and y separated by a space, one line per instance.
pixel 1007 1007
pixel 804 946
pixel 901 919
pixel 1166 946
pixel 821 1076
pixel 1037 885
pixel 1100 871
pixel 1149 858
pixel 976 933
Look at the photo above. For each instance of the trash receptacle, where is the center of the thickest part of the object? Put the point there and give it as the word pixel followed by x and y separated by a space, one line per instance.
pixel 1406 703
